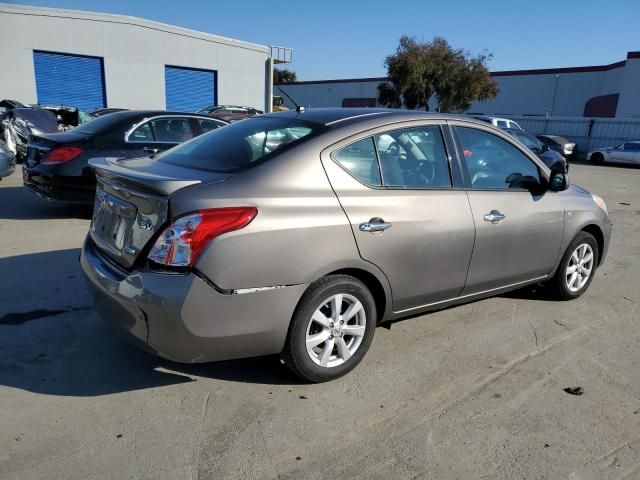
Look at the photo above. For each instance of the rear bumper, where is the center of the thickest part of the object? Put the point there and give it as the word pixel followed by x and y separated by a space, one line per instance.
pixel 181 318
pixel 60 189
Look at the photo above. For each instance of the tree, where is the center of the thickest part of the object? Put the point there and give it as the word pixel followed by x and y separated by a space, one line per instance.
pixel 283 75
pixel 418 70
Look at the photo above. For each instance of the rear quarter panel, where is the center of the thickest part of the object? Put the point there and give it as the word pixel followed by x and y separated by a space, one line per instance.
pixel 299 234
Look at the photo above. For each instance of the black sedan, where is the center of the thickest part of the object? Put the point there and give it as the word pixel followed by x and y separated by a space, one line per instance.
pixel 548 156
pixel 57 166
pixel 560 144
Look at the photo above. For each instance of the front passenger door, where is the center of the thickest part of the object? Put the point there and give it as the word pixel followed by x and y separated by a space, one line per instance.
pixel 519 228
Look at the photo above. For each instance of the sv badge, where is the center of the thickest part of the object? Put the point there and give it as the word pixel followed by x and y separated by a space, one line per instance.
pixel 144 223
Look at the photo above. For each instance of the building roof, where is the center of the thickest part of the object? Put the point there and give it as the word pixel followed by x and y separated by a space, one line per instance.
pixel 499 73
pixel 127 20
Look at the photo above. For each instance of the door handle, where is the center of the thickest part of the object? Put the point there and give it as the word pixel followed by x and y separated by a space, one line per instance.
pixel 152 151
pixel 494 216
pixel 376 224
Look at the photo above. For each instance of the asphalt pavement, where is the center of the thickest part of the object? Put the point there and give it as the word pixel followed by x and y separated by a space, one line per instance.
pixel 475 391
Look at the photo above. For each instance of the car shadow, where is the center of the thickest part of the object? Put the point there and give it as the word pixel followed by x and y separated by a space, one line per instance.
pixel 530 292
pixel 18 203
pixel 52 341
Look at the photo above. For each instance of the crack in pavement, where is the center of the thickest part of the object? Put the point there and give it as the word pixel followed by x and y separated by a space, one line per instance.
pixel 535 335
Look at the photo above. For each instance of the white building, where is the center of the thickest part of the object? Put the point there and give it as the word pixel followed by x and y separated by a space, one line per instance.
pixel 595 91
pixel 92 60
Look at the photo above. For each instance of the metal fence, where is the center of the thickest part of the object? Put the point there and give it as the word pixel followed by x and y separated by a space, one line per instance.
pixel 587 133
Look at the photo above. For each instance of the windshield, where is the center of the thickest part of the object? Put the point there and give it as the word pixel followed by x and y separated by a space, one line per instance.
pixel 97 124
pixel 239 145
pixel 206 109
pixel 84 117
pixel 527 139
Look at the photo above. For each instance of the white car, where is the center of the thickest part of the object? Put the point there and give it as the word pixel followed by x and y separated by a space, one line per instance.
pixel 628 152
pixel 499 122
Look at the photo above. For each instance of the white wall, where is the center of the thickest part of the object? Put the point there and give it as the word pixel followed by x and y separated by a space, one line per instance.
pixel 134 52
pixel 629 101
pixel 520 94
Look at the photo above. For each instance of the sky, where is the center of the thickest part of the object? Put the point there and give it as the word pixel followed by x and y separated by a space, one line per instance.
pixel 349 39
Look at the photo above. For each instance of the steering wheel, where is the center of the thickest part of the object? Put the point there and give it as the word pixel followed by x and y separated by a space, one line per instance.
pixel 427 171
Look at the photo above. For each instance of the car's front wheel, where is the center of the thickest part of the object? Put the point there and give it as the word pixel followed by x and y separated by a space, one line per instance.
pixel 597 158
pixel 331 329
pixel 577 268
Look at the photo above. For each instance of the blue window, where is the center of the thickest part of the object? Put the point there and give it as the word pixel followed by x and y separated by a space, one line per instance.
pixel 189 89
pixel 72 80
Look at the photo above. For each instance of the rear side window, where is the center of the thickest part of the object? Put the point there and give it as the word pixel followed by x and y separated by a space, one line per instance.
pixel 142 134
pixel 172 130
pixel 240 145
pixel 360 160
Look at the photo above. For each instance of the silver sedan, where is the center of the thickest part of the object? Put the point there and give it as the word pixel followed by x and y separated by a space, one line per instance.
pixel 628 152
pixel 297 233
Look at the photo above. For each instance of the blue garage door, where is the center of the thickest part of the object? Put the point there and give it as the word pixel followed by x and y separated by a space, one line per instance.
pixel 188 89
pixel 71 80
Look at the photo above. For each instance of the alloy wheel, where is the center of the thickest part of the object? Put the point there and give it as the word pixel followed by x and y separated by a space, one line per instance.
pixel 579 267
pixel 336 330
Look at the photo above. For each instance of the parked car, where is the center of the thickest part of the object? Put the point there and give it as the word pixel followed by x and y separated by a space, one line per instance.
pixel 67 117
pixel 548 156
pixel 229 113
pixel 8 104
pixel 498 121
pixel 226 247
pixel 57 166
pixel 628 152
pixel 7 161
pixel 20 124
pixel 104 111
pixel 559 144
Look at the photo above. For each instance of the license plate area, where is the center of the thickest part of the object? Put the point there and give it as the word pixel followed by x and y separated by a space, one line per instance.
pixel 112 222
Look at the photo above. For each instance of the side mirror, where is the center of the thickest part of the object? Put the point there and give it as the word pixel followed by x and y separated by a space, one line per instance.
pixel 558 180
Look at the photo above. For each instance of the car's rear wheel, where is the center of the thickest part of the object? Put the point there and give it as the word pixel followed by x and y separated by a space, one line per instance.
pixel 576 269
pixel 331 329
pixel 597 158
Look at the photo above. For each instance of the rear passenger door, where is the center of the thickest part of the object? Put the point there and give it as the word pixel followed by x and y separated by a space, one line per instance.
pixel 407 209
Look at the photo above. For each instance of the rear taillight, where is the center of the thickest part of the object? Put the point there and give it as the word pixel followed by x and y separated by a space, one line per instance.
pixel 181 243
pixel 61 155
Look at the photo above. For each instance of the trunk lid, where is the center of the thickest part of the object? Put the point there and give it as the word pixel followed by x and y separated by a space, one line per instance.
pixel 40 145
pixel 132 203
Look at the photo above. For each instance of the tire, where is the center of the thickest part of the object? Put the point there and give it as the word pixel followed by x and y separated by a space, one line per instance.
pixel 567 285
pixel 314 320
pixel 597 158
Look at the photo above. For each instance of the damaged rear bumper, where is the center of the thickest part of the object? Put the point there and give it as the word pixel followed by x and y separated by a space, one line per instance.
pixel 180 317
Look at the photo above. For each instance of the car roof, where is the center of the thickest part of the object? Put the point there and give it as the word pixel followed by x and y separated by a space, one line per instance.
pixel 331 116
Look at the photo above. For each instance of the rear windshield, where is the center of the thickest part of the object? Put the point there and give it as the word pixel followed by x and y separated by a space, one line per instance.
pixel 240 145
pixel 97 124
